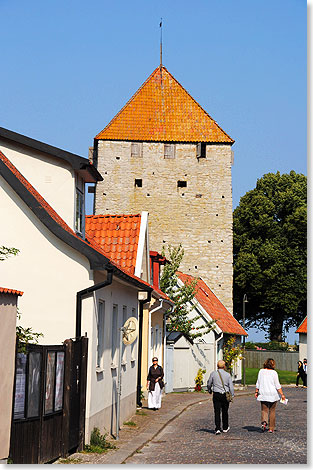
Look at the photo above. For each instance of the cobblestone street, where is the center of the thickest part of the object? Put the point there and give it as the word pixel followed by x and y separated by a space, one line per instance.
pixel 190 438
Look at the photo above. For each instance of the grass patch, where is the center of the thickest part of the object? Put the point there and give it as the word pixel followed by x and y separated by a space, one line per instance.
pixel 69 461
pixel 141 413
pixel 285 376
pixel 98 443
pixel 130 423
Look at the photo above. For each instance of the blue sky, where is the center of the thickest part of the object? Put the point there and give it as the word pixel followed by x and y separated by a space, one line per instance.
pixel 69 66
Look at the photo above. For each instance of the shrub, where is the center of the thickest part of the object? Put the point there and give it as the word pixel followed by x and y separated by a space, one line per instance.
pixel 199 380
pixel 98 443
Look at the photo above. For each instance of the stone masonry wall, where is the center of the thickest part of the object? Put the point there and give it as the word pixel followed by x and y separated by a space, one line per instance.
pixel 199 216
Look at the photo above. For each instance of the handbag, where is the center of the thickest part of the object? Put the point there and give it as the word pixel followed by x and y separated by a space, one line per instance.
pixel 228 395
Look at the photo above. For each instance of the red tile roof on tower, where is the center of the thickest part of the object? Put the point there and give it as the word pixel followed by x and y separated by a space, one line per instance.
pixel 163 111
pixel 5 290
pixel 214 307
pixel 117 235
pixel 303 327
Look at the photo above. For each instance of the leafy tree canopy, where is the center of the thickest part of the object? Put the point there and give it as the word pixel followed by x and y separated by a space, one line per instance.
pixel 270 253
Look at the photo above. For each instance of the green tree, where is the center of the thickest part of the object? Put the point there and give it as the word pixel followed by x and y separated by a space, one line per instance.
pixel 270 256
pixel 5 252
pixel 180 318
pixel 231 353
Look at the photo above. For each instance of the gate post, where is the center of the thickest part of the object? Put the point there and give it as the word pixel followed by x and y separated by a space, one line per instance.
pixel 68 344
pixel 83 386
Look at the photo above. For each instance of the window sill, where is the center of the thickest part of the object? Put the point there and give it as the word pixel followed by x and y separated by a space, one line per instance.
pixel 133 359
pixel 124 363
pixel 113 366
pixel 99 370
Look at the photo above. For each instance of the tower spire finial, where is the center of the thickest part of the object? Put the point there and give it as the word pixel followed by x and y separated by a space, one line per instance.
pixel 161 44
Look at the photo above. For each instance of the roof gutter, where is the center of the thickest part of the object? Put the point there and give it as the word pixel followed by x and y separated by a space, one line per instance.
pixel 83 293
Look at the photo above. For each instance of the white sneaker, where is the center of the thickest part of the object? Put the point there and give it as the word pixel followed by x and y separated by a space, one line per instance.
pixel 226 430
pixel 218 432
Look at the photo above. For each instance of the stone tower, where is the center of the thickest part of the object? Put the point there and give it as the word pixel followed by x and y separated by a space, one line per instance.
pixel 164 154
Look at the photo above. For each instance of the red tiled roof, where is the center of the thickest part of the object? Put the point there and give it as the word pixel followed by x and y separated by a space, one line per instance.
pixel 163 111
pixel 51 212
pixel 303 327
pixel 4 290
pixel 214 307
pixel 117 235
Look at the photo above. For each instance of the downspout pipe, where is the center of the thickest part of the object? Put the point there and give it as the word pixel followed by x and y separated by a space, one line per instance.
pixel 141 304
pixel 82 293
pixel 149 329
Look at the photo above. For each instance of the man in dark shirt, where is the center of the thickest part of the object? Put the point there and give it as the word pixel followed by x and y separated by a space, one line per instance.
pixel 220 402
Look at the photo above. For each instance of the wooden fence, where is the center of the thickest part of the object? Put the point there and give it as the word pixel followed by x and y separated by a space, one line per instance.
pixel 49 402
pixel 285 360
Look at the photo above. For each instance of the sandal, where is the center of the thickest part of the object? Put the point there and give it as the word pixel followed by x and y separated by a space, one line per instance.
pixel 263 425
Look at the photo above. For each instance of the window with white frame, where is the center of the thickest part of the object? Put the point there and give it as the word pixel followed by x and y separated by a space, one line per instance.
pixel 114 334
pixel 79 212
pixel 100 334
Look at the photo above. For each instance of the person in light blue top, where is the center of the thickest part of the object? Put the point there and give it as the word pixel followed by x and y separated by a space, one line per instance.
pixel 220 402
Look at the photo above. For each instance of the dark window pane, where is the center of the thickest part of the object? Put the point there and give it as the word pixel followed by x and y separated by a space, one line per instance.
pixel 34 372
pixel 20 386
pixel 50 375
pixel 58 401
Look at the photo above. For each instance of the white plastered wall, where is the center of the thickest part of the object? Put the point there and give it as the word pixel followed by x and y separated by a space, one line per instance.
pixel 47 270
pixel 102 384
pixel 189 358
pixel 52 177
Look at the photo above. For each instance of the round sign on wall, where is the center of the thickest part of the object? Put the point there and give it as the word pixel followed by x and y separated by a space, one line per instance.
pixel 130 330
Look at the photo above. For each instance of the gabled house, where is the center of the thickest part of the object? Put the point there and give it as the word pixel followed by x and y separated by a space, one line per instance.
pixel 303 331
pixel 185 356
pixel 125 239
pixel 71 287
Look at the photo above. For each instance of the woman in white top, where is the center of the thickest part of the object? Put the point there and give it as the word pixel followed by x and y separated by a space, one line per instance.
pixel 267 391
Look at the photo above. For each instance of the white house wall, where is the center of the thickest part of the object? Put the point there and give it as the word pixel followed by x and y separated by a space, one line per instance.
pixel 189 358
pixel 47 270
pixel 102 384
pixel 52 177
pixel 303 346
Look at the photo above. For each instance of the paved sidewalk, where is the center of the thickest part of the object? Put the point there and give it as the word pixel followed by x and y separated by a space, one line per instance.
pixel 148 424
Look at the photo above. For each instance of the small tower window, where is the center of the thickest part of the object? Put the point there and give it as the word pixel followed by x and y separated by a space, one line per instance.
pixel 182 184
pixel 201 150
pixel 138 183
pixel 136 149
pixel 169 150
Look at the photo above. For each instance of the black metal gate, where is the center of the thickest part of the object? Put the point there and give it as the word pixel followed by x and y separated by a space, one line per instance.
pixel 48 418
